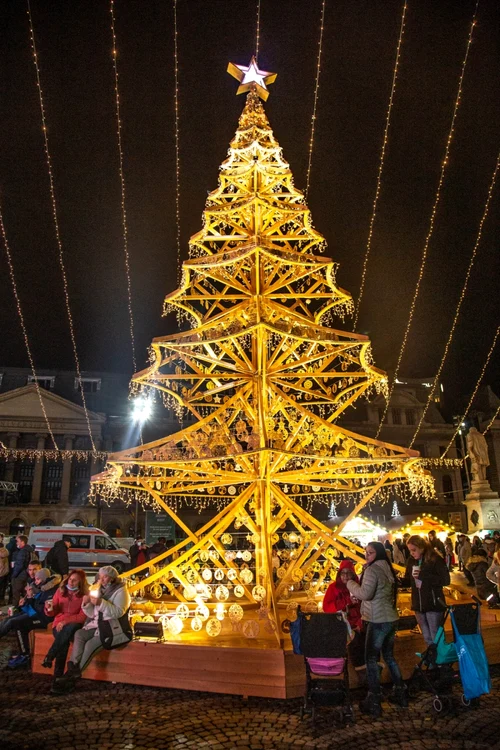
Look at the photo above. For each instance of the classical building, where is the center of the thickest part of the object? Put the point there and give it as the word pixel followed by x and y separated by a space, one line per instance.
pixel 36 489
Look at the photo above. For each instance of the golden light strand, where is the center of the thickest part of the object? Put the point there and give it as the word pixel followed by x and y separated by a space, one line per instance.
pixel 495 415
pixel 437 198
pixel 23 327
pixel 316 90
pixel 460 301
pixel 473 394
pixel 177 149
pixel 56 224
pixel 257 32
pixel 122 185
pixel 380 166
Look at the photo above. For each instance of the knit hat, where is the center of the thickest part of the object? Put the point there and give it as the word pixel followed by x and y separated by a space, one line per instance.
pixel 346 564
pixel 42 575
pixel 108 570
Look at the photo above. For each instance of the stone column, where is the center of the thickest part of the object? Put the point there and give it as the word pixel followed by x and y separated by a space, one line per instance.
pixel 9 472
pixel 66 475
pixel 37 479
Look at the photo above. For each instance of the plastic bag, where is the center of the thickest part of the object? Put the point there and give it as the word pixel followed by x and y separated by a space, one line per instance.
pixel 473 664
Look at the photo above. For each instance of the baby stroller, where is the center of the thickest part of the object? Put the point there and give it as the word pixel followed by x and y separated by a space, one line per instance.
pixel 436 672
pixel 322 640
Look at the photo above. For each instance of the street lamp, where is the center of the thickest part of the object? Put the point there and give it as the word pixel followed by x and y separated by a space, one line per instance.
pixel 142 408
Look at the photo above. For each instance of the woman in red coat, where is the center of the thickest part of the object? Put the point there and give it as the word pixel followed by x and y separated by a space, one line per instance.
pixel 338 599
pixel 69 617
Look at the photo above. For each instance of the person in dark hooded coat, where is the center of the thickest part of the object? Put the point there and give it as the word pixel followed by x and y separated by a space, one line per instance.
pixel 57 558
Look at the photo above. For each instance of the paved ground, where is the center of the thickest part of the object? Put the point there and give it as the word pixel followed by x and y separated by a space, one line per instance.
pixel 122 717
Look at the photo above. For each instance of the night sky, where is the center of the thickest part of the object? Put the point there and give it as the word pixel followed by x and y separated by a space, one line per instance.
pixel 74 49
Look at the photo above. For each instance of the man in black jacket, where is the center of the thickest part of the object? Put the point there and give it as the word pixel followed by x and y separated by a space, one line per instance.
pixel 57 558
pixel 19 567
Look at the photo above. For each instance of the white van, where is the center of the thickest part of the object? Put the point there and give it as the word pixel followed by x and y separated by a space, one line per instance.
pixel 90 547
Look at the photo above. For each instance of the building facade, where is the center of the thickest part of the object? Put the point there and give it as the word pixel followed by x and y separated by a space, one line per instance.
pixel 43 489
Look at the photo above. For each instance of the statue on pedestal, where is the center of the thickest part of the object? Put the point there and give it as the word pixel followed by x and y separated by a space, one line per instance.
pixel 478 454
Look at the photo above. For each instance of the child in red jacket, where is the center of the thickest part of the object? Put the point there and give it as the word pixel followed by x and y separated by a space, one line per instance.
pixel 69 617
pixel 338 599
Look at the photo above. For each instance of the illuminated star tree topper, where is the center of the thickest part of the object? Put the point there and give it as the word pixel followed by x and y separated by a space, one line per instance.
pixel 251 77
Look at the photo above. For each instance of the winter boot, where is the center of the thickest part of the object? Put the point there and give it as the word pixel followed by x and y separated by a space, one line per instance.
pixel 73 670
pixel 371 705
pixel 399 696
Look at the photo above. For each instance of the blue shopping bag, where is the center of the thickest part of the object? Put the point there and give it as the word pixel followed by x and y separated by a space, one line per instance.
pixel 473 664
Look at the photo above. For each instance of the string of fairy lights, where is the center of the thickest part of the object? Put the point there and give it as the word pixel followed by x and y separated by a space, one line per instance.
pixel 56 223
pixel 473 395
pixel 316 94
pixel 23 327
pixel 257 31
pixel 177 148
pixel 178 198
pixel 122 185
pixel 432 220
pixel 380 166
pixel 490 423
pixel 460 301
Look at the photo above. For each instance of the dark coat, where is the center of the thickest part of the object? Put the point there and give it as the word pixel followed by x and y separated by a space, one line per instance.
pixel 133 552
pixel 21 559
pixel 434 575
pixel 478 565
pixel 157 549
pixel 57 558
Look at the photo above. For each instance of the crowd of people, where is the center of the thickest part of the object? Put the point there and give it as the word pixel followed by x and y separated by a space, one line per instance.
pixel 96 618
pixel 369 603
pixel 53 595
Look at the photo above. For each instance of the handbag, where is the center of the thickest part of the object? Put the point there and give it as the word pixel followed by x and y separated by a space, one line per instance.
pixel 115 632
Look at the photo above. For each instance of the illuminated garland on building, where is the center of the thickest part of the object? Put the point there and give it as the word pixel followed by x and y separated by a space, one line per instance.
pixel 48 454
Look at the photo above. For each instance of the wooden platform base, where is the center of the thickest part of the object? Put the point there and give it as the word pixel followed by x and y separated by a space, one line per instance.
pixel 261 671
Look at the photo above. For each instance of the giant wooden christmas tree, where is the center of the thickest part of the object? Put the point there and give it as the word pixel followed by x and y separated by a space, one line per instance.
pixel 266 376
